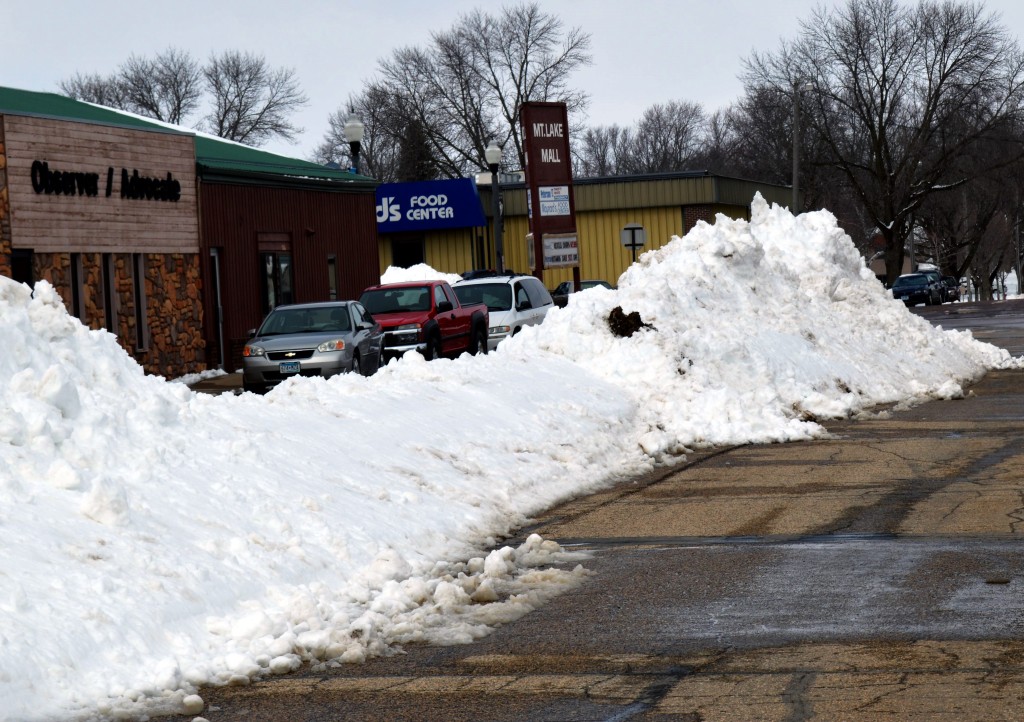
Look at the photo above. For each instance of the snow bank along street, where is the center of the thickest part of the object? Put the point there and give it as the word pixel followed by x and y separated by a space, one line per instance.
pixel 156 540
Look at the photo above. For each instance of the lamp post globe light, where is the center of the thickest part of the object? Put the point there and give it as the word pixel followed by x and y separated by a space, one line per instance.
pixel 353 131
pixel 492 154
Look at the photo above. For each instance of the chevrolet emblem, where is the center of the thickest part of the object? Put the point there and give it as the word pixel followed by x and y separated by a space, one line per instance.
pixel 289 354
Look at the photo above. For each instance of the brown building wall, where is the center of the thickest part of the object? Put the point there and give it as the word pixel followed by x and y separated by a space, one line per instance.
pixel 171 342
pixel 242 221
pixel 5 210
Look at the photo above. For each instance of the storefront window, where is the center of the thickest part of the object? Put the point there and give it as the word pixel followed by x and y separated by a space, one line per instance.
pixel 276 283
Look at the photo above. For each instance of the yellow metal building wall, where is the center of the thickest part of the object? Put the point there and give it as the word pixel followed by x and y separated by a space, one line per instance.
pixel 602 255
pixel 449 251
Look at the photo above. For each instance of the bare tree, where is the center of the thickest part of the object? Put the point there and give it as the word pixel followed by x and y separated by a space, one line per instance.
pixel 95 88
pixel 467 86
pixel 668 137
pixel 392 149
pixel 167 87
pixel 596 151
pixel 252 102
pixel 898 95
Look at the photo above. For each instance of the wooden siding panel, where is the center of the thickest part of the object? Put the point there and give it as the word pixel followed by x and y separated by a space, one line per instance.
pixel 81 223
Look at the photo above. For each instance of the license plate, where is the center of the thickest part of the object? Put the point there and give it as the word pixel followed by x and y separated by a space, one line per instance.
pixel 902 298
pixel 288 367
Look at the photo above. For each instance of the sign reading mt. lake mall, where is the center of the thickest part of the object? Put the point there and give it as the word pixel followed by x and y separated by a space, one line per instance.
pixel 552 209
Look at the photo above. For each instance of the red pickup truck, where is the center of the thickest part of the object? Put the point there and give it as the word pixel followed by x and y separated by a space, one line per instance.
pixel 426 316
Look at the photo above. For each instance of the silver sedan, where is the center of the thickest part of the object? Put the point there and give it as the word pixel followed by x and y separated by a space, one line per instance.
pixel 311 339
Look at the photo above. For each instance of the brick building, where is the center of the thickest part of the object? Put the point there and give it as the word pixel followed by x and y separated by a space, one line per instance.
pixel 176 242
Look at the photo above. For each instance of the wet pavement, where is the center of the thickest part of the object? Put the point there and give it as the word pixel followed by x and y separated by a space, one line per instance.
pixel 874 575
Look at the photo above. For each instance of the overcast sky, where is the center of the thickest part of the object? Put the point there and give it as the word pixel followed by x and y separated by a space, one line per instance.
pixel 644 51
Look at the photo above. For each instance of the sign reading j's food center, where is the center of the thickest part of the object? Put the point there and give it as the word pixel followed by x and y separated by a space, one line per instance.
pixel 428 205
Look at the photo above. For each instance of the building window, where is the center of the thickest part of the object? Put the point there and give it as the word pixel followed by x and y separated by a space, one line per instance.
pixel 109 293
pixel 332 277
pixel 139 283
pixel 276 282
pixel 77 290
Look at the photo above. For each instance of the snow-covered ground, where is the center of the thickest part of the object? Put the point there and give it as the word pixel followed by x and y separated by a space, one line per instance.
pixel 156 540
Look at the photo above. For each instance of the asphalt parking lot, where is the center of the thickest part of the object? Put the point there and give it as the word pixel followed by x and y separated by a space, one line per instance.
pixel 872 575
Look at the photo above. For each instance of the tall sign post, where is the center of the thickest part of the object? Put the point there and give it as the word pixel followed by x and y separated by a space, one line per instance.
pixel 549 196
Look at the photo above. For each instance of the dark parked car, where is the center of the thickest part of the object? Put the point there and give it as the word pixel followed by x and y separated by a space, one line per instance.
pixel 311 339
pixel 915 288
pixel 935 280
pixel 561 293
pixel 952 288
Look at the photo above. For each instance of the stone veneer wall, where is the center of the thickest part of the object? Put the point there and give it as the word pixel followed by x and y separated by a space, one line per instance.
pixel 174 314
pixel 5 210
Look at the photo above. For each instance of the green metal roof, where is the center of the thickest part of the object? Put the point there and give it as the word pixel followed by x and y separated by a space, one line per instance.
pixel 216 158
pixel 51 105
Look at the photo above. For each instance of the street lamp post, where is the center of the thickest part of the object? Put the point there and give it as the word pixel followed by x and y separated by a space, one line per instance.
pixel 493 157
pixel 354 135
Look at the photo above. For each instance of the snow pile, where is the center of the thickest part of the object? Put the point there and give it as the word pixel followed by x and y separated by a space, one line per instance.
pixel 756 330
pixel 157 540
pixel 418 272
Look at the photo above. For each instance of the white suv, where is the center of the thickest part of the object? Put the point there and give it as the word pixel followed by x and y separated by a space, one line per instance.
pixel 513 301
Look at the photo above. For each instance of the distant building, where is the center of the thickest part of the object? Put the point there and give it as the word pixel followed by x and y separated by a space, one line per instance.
pixel 665 204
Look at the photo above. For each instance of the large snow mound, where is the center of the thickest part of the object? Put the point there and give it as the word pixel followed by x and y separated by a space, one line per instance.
pixel 157 540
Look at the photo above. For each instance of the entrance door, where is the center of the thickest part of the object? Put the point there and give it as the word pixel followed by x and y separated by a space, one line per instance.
pixel 218 309
pixel 407 252
pixel 275 270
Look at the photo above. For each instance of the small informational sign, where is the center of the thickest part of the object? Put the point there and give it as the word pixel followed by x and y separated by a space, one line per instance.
pixel 554 200
pixel 561 250
pixel 633 236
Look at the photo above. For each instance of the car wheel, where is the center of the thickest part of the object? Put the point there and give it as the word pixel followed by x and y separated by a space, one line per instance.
pixel 357 367
pixel 433 349
pixel 478 342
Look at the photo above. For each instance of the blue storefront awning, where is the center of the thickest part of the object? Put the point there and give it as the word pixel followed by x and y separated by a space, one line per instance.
pixel 428 205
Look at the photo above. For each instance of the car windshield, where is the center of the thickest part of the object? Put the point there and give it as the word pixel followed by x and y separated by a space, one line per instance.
pixel 396 300
pixel 909 281
pixel 593 284
pixel 326 319
pixel 496 296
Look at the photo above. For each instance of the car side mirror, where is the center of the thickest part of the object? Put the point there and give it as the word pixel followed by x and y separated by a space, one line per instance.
pixel 444 307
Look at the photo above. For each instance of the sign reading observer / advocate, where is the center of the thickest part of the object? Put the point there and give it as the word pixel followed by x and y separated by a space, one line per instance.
pixel 428 205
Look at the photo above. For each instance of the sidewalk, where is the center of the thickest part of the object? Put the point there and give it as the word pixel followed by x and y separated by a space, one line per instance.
pixel 226 383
